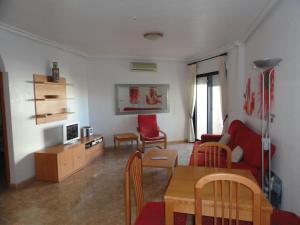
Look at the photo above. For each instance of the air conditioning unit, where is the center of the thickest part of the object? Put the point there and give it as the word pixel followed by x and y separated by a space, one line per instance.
pixel 141 66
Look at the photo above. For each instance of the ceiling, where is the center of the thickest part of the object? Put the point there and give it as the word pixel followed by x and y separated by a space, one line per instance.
pixel 116 27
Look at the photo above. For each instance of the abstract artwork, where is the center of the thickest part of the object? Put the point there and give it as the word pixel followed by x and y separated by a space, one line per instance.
pixel 253 95
pixel 141 98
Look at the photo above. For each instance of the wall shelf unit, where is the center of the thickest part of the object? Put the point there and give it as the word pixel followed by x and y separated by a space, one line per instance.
pixel 50 99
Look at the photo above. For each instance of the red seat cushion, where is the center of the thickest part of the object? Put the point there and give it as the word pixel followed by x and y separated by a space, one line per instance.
pixel 154 138
pixel 280 217
pixel 210 221
pixel 153 213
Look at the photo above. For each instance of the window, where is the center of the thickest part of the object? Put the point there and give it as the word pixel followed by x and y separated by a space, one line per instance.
pixel 208 114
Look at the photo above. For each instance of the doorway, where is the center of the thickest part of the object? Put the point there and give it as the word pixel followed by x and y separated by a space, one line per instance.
pixel 4 158
pixel 208 112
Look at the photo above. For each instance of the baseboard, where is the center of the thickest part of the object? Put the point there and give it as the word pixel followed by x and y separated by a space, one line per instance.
pixel 22 184
pixel 178 141
pixel 111 147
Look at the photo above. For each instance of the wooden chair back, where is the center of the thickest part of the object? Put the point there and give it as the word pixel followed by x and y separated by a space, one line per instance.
pixel 212 152
pixel 133 174
pixel 227 198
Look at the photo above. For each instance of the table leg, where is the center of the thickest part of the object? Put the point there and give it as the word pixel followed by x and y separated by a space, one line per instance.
pixel 265 218
pixel 119 144
pixel 169 213
pixel 115 143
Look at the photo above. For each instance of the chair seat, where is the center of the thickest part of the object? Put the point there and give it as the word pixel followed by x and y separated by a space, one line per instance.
pixel 280 217
pixel 210 221
pixel 154 138
pixel 153 213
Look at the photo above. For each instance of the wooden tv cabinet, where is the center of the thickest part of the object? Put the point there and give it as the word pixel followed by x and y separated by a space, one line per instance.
pixel 61 161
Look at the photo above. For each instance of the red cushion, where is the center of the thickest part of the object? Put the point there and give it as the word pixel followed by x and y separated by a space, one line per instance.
pixel 147 125
pixel 210 221
pixel 154 138
pixel 210 137
pixel 233 129
pixel 153 213
pixel 280 217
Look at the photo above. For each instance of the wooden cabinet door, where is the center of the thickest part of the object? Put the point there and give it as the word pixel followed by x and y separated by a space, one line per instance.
pixel 78 157
pixel 65 163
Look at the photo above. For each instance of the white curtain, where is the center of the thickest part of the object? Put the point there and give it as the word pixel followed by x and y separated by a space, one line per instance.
pixel 192 69
pixel 223 92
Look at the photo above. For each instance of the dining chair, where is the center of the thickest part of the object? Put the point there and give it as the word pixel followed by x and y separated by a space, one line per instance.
pixel 227 203
pixel 148 213
pixel 150 132
pixel 212 154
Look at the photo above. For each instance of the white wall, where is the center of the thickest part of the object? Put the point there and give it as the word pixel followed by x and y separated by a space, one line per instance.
pixel 22 57
pixel 279 36
pixel 103 74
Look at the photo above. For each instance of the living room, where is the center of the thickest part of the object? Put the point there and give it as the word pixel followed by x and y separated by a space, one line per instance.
pixel 94 52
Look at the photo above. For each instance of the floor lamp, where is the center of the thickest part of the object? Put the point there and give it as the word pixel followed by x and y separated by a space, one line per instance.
pixel 268 66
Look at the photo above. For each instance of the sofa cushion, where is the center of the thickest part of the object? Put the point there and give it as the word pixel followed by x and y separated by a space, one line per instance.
pixel 153 213
pixel 280 217
pixel 233 129
pixel 237 154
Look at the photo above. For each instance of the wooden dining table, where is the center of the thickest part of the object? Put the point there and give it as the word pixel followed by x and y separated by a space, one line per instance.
pixel 180 194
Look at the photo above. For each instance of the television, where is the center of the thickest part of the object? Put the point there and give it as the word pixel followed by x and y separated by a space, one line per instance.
pixel 71 132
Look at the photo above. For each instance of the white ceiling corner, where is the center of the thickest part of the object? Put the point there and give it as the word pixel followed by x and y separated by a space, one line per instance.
pixel 107 29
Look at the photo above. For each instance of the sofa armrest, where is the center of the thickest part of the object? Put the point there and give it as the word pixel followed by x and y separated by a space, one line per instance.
pixel 210 137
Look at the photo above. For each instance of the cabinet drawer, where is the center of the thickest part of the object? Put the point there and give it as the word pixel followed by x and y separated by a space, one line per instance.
pixel 93 152
pixel 65 164
pixel 78 157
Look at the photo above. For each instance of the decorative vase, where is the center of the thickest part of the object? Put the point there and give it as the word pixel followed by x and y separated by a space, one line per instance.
pixel 55 72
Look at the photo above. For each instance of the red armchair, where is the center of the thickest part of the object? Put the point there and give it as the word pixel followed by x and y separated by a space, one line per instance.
pixel 150 132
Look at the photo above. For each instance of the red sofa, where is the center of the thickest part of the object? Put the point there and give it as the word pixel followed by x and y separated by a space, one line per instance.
pixel 248 140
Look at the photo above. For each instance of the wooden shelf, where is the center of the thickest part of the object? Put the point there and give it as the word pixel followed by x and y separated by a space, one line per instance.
pixel 52 114
pixel 50 99
pixel 52 83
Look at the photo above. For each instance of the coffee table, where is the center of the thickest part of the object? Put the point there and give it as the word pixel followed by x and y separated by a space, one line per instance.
pixel 169 163
pixel 125 137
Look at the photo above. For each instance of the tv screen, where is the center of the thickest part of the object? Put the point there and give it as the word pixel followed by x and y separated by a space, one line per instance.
pixel 71 132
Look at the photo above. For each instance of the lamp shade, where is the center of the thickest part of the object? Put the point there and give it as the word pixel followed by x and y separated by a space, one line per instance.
pixel 267 63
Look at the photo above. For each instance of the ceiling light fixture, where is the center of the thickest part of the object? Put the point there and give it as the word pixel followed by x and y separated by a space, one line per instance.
pixel 153 35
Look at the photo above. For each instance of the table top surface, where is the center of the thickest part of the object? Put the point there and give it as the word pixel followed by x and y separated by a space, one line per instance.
pixel 182 186
pixel 162 163
pixel 125 136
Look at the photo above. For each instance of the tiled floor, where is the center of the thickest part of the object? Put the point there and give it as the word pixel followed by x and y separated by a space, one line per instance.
pixel 94 195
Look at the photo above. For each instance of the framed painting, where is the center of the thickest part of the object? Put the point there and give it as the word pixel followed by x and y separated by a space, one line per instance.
pixel 142 98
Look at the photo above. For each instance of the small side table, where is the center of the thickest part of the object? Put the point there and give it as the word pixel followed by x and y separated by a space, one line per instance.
pixel 125 137
pixel 169 163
